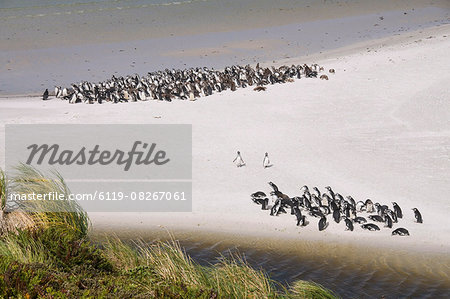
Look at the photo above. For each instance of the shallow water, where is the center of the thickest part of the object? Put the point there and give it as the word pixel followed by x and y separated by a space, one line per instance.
pixel 58 42
pixel 348 271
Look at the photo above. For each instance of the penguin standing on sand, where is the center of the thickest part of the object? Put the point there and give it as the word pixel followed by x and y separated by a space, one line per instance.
pixel 238 160
pixel 266 161
pixel 45 95
pixel 348 224
pixel 417 215
pixel 323 223
pixel 397 210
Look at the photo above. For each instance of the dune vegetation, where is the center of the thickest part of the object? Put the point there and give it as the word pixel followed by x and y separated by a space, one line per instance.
pixel 46 252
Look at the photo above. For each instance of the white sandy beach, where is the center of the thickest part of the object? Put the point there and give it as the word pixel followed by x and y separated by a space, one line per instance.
pixel 379 129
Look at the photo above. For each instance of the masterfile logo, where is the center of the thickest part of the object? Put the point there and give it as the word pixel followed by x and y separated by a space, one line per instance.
pixel 103 151
pixel 54 156
pixel 107 168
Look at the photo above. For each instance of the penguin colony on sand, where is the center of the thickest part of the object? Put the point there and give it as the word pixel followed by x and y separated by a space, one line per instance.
pixel 320 205
pixel 187 84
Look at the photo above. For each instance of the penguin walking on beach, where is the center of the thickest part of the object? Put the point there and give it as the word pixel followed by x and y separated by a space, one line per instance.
pixel 45 95
pixel 417 215
pixel 266 161
pixel 238 160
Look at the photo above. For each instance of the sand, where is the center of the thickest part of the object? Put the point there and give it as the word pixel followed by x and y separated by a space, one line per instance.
pixel 379 129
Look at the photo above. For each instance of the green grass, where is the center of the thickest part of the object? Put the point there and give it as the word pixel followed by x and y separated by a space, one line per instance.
pixel 52 257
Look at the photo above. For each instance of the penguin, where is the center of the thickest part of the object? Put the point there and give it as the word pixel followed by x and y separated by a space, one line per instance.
pixel 360 206
pixel 260 198
pixel 330 191
pixel 325 200
pixel 324 209
pixel 370 226
pixel 304 188
pixel 238 160
pixel 400 232
pixel 337 215
pixel 348 224
pixel 316 213
pixel 299 216
pixel 381 209
pixel 303 221
pixel 266 161
pixel 276 208
pixel 316 200
pixel 351 201
pixel 323 223
pixel 376 218
pixel 369 206
pixel 417 215
pixel 258 194
pixel 393 215
pixel 360 220
pixel 387 221
pixel 45 95
pixel 274 187
pixel 397 210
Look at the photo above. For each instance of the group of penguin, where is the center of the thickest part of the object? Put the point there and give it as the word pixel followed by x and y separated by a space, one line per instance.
pixel 320 205
pixel 187 84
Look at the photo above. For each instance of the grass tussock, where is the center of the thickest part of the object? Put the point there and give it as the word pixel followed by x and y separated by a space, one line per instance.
pixel 311 290
pixel 45 252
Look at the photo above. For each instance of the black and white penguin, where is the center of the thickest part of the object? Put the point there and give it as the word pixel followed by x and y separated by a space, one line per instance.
pixel 266 161
pixel 330 191
pixel 360 220
pixel 397 210
pixel 370 226
pixel 360 206
pixel 274 187
pixel 58 92
pixel 351 201
pixel 323 223
pixel 393 215
pixel 417 215
pixel 337 215
pixel 317 192
pixel 45 95
pixel 369 206
pixel 238 160
pixel 387 221
pixel 348 224
pixel 400 232
pixel 301 219
pixel 376 218
pixel 261 199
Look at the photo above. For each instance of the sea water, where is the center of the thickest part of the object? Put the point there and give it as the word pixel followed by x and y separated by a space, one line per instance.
pixel 58 42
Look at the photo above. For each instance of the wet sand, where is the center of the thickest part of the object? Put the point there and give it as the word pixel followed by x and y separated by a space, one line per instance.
pixel 48 45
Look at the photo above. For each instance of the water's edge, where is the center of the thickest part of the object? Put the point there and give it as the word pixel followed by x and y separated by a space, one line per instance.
pixel 349 270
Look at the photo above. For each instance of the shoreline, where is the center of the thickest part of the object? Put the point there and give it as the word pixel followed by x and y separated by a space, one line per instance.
pixel 320 56
pixel 383 255
pixel 397 49
pixel 210 46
